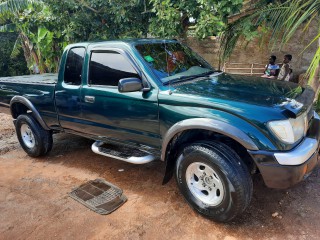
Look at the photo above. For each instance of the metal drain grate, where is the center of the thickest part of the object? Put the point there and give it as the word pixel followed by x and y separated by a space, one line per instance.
pixel 99 195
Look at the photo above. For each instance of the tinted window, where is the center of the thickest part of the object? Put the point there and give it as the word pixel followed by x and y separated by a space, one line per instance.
pixel 73 69
pixel 107 68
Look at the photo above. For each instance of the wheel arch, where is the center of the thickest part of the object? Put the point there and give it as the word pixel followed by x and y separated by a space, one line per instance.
pixel 210 125
pixel 202 129
pixel 21 105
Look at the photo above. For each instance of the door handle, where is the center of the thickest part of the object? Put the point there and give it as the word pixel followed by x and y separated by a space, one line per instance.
pixel 89 99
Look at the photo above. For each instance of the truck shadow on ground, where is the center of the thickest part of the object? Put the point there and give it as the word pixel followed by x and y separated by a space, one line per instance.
pixel 269 210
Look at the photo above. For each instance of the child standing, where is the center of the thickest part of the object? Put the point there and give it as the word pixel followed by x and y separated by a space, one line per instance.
pixel 272 69
pixel 286 70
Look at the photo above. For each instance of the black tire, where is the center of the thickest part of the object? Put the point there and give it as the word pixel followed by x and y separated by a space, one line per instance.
pixel 41 142
pixel 231 186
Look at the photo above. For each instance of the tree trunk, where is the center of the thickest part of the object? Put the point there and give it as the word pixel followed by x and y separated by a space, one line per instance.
pixel 29 51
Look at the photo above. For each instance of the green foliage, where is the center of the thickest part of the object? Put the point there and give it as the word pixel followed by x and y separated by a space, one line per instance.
pixel 8 28
pixel 48 26
pixel 11 66
pixel 37 23
pixel 98 19
pixel 45 27
pixel 10 7
pixel 172 17
pixel 167 19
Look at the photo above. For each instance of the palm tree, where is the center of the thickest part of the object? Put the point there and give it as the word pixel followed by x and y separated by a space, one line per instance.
pixel 283 19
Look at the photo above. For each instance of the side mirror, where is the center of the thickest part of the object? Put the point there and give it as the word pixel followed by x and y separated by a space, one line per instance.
pixel 129 85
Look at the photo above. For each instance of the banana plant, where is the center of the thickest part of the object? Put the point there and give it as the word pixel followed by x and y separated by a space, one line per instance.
pixel 10 21
pixel 43 45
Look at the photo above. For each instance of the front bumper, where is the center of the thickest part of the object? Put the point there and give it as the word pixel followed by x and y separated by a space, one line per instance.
pixel 284 169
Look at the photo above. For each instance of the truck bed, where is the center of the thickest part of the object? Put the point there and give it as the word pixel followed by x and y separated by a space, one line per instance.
pixel 47 78
pixel 38 89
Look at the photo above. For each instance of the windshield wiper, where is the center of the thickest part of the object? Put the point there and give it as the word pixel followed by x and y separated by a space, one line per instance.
pixel 185 78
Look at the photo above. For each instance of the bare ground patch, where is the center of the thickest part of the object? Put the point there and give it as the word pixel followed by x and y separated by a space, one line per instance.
pixel 8 139
pixel 34 202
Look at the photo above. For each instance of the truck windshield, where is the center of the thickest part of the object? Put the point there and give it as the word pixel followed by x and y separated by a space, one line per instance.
pixel 173 61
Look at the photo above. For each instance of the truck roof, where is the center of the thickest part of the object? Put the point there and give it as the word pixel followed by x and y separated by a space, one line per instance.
pixel 131 41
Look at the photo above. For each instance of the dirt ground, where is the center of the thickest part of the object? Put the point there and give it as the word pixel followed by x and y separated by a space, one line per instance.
pixel 34 202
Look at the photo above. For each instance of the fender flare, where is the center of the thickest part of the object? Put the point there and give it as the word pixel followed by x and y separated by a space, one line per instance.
pixel 26 102
pixel 207 124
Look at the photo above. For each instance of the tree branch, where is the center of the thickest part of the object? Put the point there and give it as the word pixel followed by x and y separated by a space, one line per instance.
pixel 86 5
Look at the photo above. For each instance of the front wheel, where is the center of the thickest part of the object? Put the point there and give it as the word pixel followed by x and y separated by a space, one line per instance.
pixel 34 140
pixel 214 180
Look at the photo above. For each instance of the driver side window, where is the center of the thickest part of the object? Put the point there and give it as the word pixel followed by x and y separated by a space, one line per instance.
pixel 107 68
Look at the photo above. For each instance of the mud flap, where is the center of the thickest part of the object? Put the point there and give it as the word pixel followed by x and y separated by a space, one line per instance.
pixel 170 165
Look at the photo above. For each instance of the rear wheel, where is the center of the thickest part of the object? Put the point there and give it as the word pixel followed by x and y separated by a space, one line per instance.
pixel 35 140
pixel 214 180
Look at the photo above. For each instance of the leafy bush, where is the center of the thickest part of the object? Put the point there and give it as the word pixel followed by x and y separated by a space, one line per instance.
pixel 11 66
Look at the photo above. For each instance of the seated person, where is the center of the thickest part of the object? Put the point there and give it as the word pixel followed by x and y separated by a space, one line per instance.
pixel 272 69
pixel 286 70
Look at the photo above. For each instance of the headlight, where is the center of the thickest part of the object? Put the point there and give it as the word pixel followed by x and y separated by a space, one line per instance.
pixel 289 131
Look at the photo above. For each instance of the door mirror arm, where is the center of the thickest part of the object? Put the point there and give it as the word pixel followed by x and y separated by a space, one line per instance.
pixel 146 86
pixel 146 89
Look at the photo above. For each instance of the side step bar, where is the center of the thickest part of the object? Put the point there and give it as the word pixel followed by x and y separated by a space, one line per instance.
pixel 122 153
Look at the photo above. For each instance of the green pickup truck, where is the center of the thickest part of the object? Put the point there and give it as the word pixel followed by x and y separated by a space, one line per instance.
pixel 151 99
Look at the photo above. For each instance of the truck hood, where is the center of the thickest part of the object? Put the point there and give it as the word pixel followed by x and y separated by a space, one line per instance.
pixel 237 88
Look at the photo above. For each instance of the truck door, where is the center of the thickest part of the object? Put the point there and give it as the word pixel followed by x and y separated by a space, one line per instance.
pixel 68 102
pixel 128 117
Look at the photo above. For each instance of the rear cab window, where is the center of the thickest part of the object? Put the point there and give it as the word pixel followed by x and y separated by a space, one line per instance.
pixel 73 67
